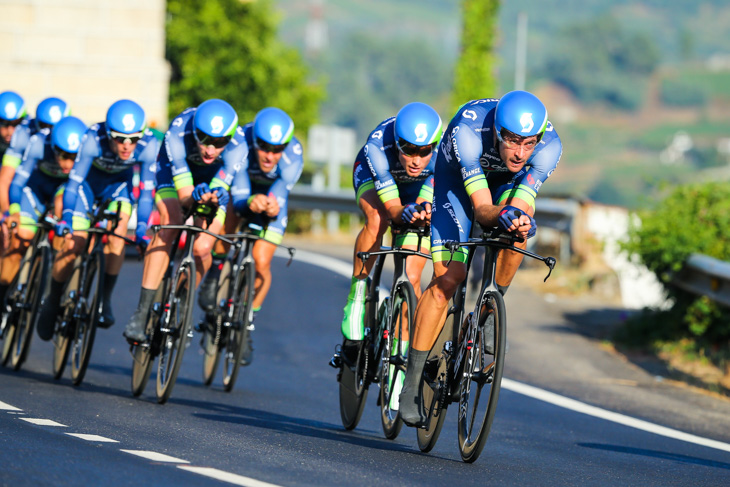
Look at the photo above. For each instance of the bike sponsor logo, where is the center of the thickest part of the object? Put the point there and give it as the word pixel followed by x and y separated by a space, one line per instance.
pixel 11 110
pixel 449 208
pixel 73 141
pixel 467 174
pixel 421 132
pixel 275 133
pixel 55 113
pixel 470 114
pixel 378 134
pixel 490 162
pixel 526 122
pixel 297 149
pixel 380 185
pixel 128 122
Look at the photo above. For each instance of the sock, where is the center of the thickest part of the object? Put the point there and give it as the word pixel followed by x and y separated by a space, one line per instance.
pixel 410 397
pixel 146 297
pixel 3 291
pixel 502 289
pixel 109 282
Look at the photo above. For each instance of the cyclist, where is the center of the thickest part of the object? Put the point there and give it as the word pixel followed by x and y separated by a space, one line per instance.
pixel 12 114
pixel 49 111
pixel 260 192
pixel 495 156
pixel 38 183
pixel 393 172
pixel 103 170
pixel 196 164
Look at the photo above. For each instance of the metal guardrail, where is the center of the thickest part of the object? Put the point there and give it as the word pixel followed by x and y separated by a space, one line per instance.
pixel 705 276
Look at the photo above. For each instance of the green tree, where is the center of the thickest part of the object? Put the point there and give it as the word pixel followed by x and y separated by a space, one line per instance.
pixel 474 72
pixel 228 49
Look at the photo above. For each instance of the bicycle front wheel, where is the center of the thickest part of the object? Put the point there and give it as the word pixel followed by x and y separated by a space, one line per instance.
pixel 175 329
pixel 482 375
pixel 213 332
pixel 88 314
pixel 31 281
pixel 238 332
pixel 65 326
pixel 392 372
pixel 143 353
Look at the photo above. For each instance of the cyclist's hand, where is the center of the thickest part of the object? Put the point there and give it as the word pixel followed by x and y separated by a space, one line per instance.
pixel 258 203
pixel 199 191
pixel 62 229
pixel 272 208
pixel 413 212
pixel 514 220
pixel 222 196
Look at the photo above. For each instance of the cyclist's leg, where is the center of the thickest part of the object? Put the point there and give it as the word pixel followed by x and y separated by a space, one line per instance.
pixel 24 216
pixel 203 247
pixel 369 239
pixel 156 260
pixel 120 194
pixel 450 220
pixel 209 286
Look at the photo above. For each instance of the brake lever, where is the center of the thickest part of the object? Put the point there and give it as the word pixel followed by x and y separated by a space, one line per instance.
pixel 550 262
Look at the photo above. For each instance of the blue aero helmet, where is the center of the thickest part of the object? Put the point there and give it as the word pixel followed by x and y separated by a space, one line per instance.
pixel 50 111
pixel 417 129
pixel 66 137
pixel 214 123
pixel 125 121
pixel 520 113
pixel 12 107
pixel 273 129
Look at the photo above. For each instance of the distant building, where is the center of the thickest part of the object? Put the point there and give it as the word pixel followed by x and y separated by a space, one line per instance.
pixel 88 52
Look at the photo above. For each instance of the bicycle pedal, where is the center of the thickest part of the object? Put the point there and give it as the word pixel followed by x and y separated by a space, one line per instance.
pixel 336 360
pixel 251 327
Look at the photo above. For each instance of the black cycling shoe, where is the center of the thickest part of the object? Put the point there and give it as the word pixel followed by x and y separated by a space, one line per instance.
pixel 135 329
pixel 350 351
pixel 208 290
pixel 106 320
pixel 48 313
pixel 247 353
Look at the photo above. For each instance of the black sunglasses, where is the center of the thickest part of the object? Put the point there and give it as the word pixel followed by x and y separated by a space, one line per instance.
pixel 11 123
pixel 266 147
pixel 125 138
pixel 205 139
pixel 62 154
pixel 412 150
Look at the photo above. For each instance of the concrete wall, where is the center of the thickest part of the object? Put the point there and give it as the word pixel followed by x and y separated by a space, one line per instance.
pixel 88 52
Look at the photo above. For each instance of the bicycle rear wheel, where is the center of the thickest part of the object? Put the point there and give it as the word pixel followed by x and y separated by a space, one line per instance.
pixel 179 304
pixel 354 389
pixel 65 326
pixel 482 377
pixel 88 315
pixel 31 281
pixel 213 333
pixel 238 332
pixel 402 310
pixel 9 321
pixel 143 354
pixel 435 387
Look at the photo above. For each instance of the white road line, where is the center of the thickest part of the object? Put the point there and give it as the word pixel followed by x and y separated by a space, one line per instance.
pixel 639 424
pixel 154 456
pixel 96 438
pixel 43 422
pixel 343 268
pixel 231 478
pixel 7 407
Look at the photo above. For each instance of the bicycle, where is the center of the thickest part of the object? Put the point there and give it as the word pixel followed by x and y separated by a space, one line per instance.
pixel 81 300
pixel 460 368
pixel 381 356
pixel 24 295
pixel 168 325
pixel 227 328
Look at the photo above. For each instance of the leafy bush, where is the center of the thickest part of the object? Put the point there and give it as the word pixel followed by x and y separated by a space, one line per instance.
pixel 692 219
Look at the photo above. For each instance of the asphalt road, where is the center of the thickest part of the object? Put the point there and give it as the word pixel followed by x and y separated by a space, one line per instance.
pixel 589 418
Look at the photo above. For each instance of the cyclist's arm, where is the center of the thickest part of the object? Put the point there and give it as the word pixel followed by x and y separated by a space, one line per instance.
pixel 291 167
pixel 89 150
pixel 11 160
pixel 32 155
pixel 148 161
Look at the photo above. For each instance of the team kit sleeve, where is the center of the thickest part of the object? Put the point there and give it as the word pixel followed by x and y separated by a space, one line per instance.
pixel 385 185
pixel 18 143
pixel 148 161
pixel 33 153
pixel 89 150
pixel 466 147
